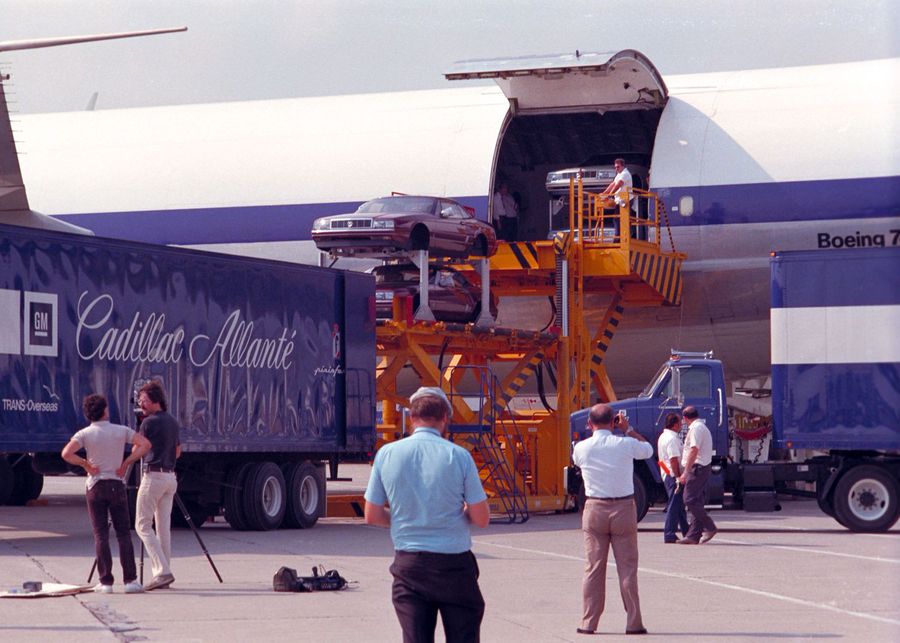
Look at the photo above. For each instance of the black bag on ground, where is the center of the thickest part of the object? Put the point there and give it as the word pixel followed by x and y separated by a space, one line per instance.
pixel 286 580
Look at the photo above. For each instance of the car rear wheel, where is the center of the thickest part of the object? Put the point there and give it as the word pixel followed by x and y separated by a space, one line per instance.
pixel 479 247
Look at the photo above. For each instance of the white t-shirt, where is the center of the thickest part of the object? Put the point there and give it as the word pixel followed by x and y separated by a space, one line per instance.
pixel 700 437
pixel 105 444
pixel 627 183
pixel 607 463
pixel 667 447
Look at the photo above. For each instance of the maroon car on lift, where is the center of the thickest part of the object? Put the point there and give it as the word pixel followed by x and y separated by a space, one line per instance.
pixel 451 296
pixel 404 223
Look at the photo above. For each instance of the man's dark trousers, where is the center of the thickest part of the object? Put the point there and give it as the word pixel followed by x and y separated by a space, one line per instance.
pixel 676 518
pixel 107 500
pixel 694 499
pixel 426 583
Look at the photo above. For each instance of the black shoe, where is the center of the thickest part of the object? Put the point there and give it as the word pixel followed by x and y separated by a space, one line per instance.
pixel 687 541
pixel 581 631
pixel 643 630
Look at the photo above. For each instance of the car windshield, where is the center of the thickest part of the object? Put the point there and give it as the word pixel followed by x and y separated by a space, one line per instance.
pixel 398 204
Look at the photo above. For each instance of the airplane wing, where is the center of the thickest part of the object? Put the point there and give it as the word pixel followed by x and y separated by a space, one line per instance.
pixel 14 208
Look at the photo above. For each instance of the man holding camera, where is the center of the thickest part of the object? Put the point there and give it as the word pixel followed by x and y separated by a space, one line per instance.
pixel 607 466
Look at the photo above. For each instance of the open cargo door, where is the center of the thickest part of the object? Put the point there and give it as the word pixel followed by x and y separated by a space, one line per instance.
pixel 623 80
pixel 569 112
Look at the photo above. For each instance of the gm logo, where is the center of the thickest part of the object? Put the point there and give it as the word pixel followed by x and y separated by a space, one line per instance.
pixel 28 326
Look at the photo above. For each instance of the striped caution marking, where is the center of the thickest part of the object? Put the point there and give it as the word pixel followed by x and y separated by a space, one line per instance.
pixel 662 272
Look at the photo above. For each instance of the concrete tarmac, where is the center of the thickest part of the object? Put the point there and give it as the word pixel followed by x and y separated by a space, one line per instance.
pixel 795 575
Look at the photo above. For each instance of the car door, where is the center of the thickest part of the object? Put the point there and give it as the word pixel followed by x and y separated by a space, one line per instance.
pixel 453 219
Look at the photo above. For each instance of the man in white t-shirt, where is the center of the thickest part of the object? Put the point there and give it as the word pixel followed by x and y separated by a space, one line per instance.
pixel 669 450
pixel 621 188
pixel 697 465
pixel 104 444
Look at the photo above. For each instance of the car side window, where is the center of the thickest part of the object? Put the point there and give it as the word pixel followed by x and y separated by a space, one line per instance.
pixel 451 211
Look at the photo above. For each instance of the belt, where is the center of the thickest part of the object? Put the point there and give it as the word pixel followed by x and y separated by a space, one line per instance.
pixel 628 497
pixel 701 466
pixel 157 469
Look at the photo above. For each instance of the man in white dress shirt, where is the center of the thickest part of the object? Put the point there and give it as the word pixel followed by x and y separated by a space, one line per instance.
pixel 607 465
pixel 697 461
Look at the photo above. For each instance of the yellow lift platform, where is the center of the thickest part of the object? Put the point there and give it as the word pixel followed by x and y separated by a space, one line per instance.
pixel 523 455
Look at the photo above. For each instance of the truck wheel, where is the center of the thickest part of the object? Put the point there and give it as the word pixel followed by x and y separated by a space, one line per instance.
pixel 265 497
pixel 7 480
pixel 234 494
pixel 865 499
pixel 641 502
pixel 305 494
pixel 27 483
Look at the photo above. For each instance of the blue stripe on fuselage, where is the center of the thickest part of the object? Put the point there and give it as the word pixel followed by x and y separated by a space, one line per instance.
pixel 241 224
pixel 720 204
pixel 789 201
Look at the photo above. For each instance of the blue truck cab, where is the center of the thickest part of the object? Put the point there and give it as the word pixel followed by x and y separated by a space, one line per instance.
pixel 684 379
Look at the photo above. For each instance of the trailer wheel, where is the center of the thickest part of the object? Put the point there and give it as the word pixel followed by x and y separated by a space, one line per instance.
pixel 305 494
pixel 641 502
pixel 7 480
pixel 265 497
pixel 865 499
pixel 234 493
pixel 27 483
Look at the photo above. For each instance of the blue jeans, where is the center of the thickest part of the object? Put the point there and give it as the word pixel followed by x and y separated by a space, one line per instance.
pixel 676 516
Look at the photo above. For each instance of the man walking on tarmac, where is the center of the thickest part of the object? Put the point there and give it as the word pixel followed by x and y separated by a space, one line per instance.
pixel 158 483
pixel 669 449
pixel 104 443
pixel 433 493
pixel 697 461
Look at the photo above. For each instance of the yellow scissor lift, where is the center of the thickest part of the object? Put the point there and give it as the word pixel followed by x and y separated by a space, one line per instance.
pixel 523 455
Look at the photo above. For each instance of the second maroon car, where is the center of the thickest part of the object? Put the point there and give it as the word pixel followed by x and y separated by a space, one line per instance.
pixel 398 224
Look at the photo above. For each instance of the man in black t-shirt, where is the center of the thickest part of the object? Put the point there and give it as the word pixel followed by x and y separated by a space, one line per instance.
pixel 158 483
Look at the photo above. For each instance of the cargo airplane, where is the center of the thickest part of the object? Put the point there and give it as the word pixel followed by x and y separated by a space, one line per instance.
pixel 747 162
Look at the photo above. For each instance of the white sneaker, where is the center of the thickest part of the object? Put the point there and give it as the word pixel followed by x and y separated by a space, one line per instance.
pixel 100 588
pixel 133 587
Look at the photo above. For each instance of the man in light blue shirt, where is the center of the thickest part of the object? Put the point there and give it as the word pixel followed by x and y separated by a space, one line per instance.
pixel 433 493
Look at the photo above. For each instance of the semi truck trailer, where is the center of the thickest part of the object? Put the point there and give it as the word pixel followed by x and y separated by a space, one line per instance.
pixel 835 396
pixel 268 367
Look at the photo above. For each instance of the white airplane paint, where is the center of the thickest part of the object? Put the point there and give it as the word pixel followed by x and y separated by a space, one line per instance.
pixel 748 162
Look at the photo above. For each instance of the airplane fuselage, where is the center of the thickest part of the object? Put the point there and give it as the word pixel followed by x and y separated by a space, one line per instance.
pixel 747 163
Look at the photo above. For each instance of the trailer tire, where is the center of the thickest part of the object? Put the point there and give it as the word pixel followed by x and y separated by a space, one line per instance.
pixel 641 501
pixel 265 497
pixel 865 499
pixel 234 493
pixel 305 494
pixel 7 480
pixel 27 483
